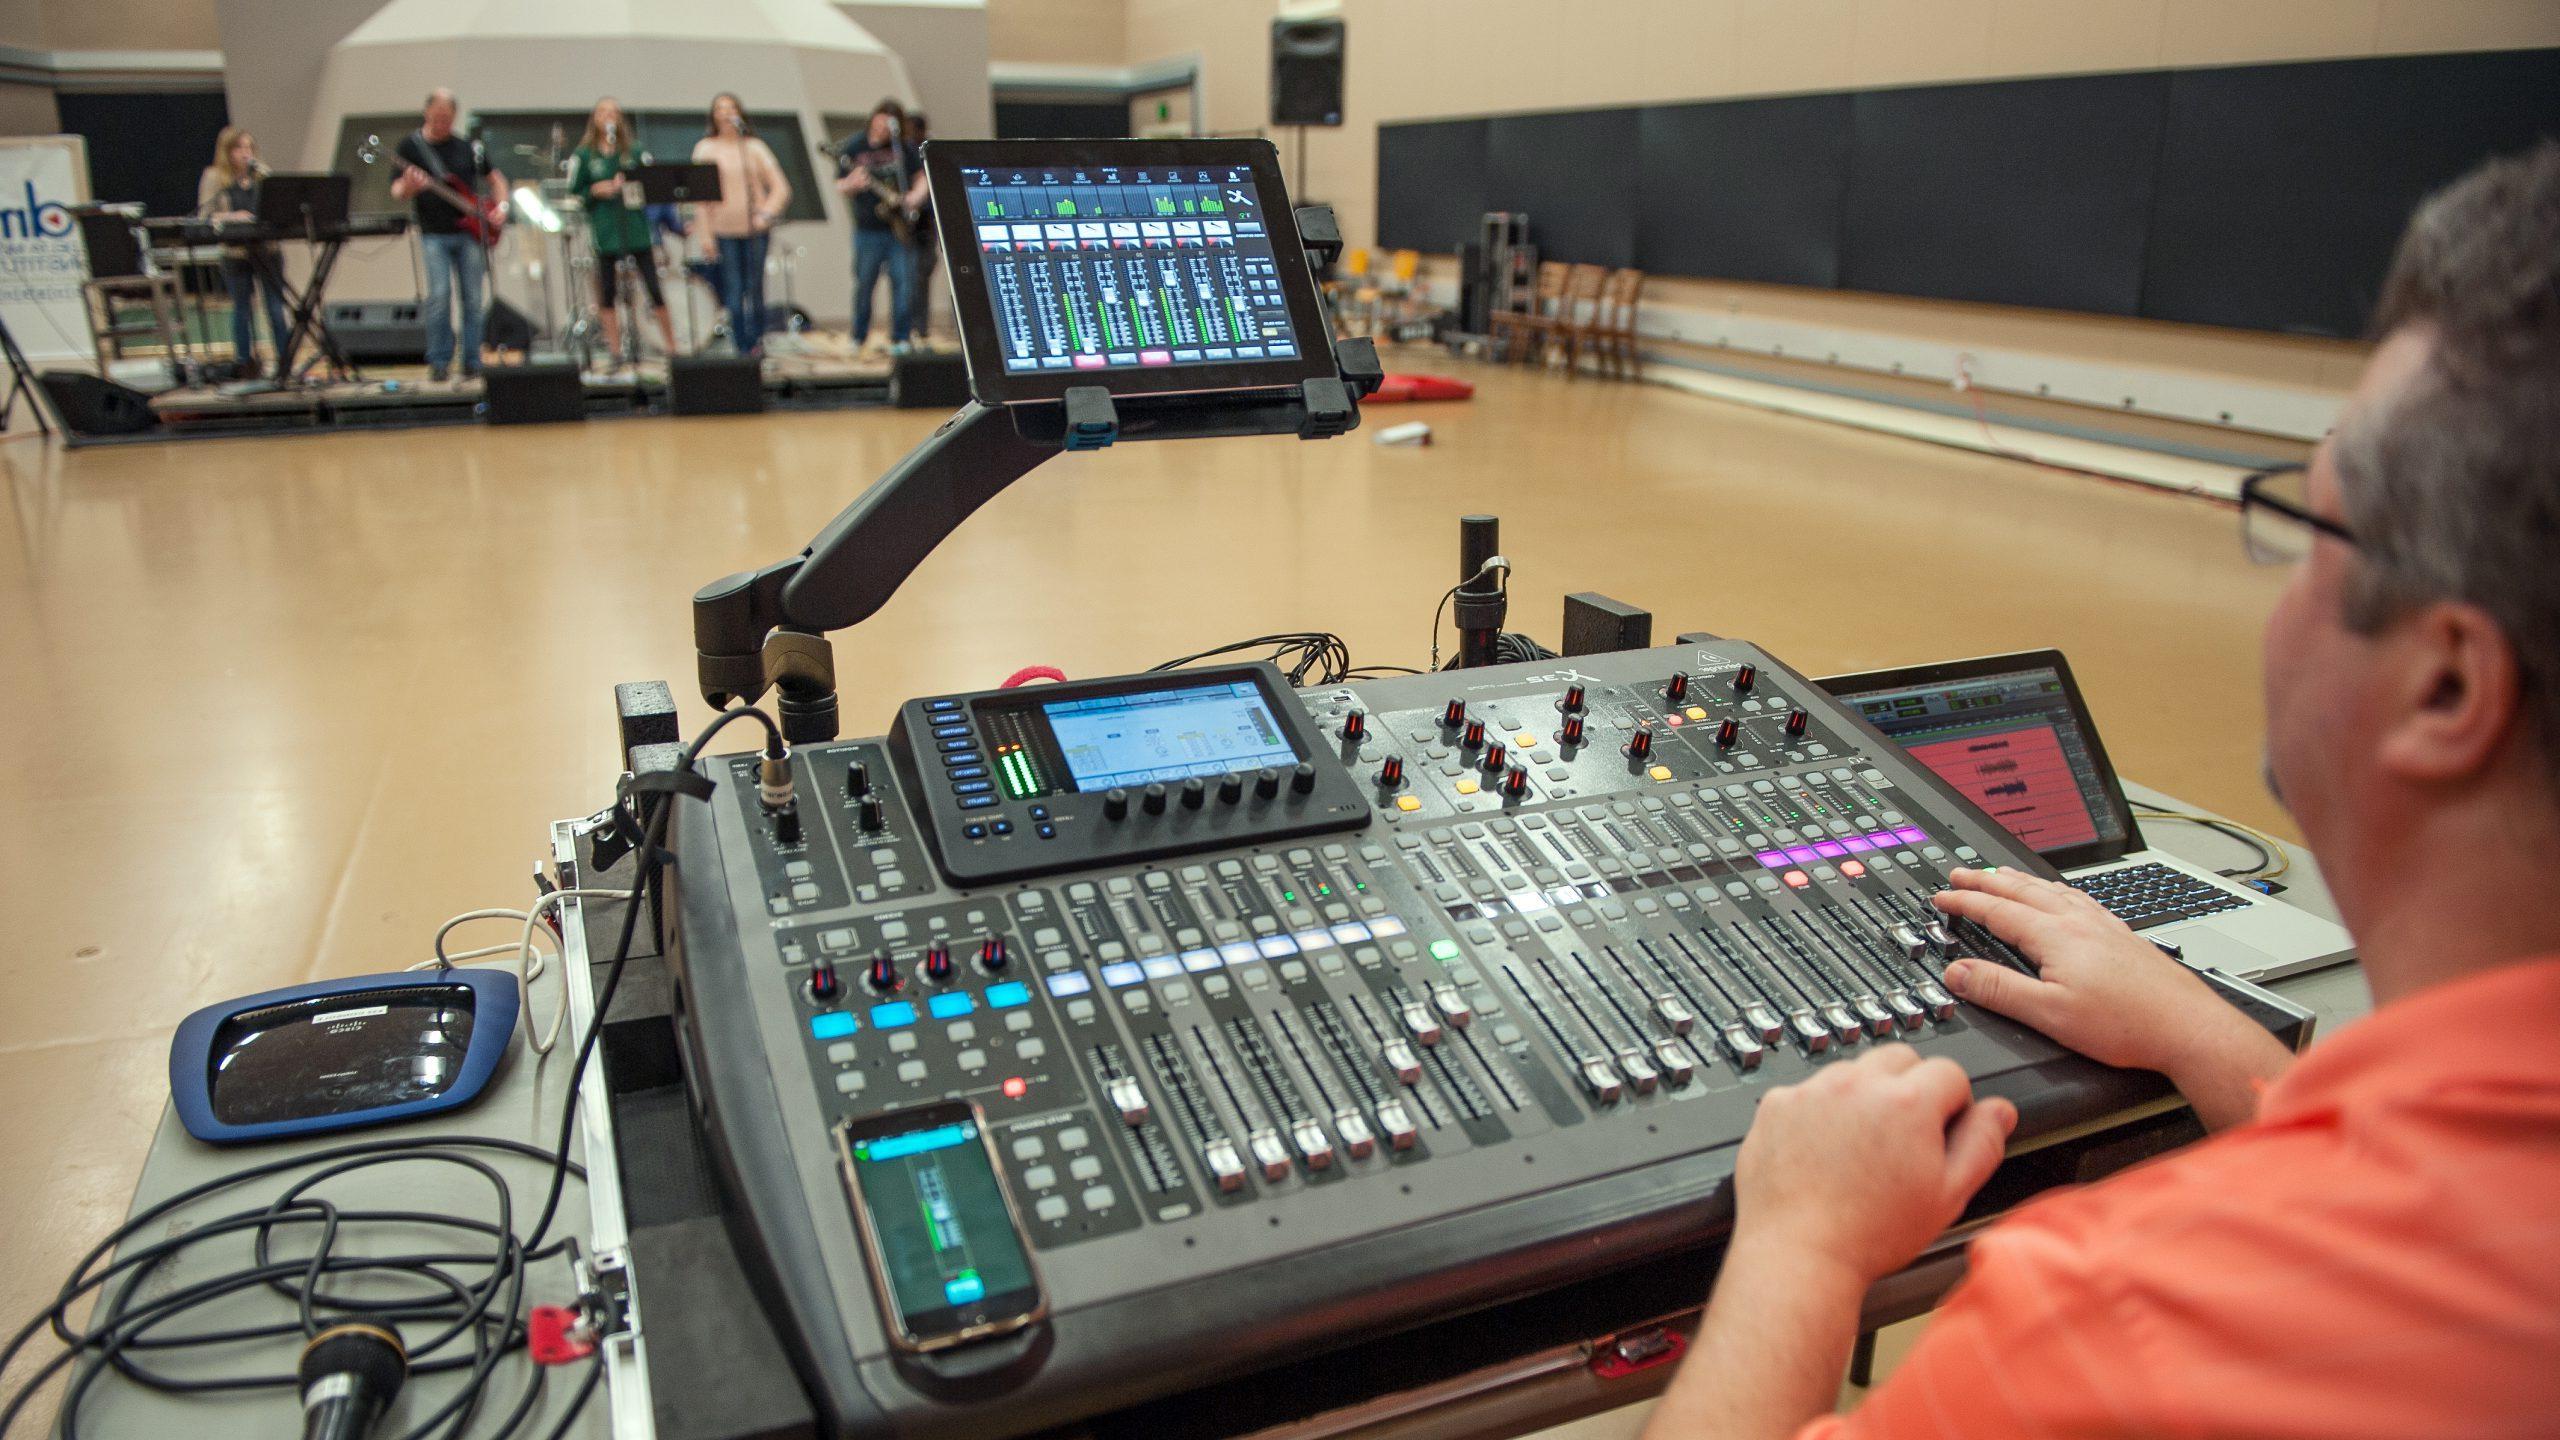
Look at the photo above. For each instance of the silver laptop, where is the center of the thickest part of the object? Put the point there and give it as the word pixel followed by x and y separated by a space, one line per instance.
pixel 2012 734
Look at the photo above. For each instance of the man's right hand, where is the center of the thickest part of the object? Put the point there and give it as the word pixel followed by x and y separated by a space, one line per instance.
pixel 2108 993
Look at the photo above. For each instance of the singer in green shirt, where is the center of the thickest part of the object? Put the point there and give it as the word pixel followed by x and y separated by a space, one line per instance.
pixel 617 224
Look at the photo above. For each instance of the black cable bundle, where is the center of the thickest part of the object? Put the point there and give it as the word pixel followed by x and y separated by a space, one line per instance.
pixel 1308 657
pixel 446 1311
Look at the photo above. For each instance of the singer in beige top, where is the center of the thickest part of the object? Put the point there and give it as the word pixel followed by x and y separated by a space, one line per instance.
pixel 734 230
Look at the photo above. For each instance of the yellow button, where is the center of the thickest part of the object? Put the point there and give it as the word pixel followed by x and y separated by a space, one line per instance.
pixel 1408 802
pixel 1661 772
pixel 1467 785
pixel 1697 712
pixel 1525 740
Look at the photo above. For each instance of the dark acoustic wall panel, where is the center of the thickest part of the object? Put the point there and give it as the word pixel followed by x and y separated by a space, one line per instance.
pixel 1743 190
pixel 1571 172
pixel 2285 187
pixel 1431 194
pixel 2031 192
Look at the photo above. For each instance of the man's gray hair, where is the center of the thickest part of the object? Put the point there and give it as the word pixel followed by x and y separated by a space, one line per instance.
pixel 2451 482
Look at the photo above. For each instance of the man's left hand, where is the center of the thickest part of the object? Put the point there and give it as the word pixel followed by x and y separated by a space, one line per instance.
pixel 1866 1163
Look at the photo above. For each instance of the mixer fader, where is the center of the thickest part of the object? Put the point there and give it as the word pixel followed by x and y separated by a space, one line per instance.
pixel 1450 980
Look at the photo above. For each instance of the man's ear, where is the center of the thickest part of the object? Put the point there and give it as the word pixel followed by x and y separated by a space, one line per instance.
pixel 2456 697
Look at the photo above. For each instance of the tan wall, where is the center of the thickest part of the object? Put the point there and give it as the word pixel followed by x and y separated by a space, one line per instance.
pixel 1058 32
pixel 27 110
pixel 1418 59
pixel 109 24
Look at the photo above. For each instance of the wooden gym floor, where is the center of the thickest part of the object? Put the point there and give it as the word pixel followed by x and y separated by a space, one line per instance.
pixel 278 707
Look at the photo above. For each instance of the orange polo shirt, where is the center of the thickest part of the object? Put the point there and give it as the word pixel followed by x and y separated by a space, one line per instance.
pixel 2377 1254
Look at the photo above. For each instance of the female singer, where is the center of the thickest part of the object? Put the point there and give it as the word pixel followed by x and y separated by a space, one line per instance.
pixel 736 228
pixel 229 191
pixel 617 224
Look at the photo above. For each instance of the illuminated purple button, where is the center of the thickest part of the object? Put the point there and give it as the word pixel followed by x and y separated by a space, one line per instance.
pixel 1802 854
pixel 1858 842
pixel 1774 859
pixel 1830 849
pixel 1912 835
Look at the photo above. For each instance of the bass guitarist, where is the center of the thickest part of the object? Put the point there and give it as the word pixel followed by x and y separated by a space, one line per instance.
pixel 884 183
pixel 437 168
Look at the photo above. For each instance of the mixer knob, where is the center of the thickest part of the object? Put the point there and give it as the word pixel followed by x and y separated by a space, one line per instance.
pixel 1391 774
pixel 1640 1074
pixel 1230 788
pixel 1195 793
pixel 1675 1013
pixel 1402 1061
pixel 1302 781
pixel 1128 1099
pixel 1454 715
pixel 1496 755
pixel 1266 783
pixel 1942 1006
pixel 1908 940
pixel 786 826
pixel 1115 804
pixel 1572 733
pixel 1941 939
pixel 1358 1140
pixel 1745 678
pixel 1640 745
pixel 1796 721
pixel 992 956
pixel 1354 725
pixel 1674 1060
pixel 1399 1125
pixel 1453 1005
pixel 1728 734
pixel 1424 1025
pixel 1270 1153
pixel 1151 799
pixel 872 817
pixel 1314 1146
pixel 1573 699
pixel 937 962
pixel 824 984
pixel 1745 1050
pixel 857 780
pixel 1602 1081
pixel 1515 783
pixel 1473 735
pixel 1225 1165
pixel 883 976
pixel 1678 689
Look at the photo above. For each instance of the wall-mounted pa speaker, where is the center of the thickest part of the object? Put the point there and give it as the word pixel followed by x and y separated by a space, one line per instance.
pixel 1306 72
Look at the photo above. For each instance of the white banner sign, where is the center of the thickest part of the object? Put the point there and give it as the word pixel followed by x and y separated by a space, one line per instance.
pixel 41 262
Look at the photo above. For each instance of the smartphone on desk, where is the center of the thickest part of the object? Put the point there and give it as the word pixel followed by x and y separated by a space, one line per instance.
pixel 948 1257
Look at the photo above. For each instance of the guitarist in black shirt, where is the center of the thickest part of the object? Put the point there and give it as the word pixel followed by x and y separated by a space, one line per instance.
pixel 440 173
pixel 884 181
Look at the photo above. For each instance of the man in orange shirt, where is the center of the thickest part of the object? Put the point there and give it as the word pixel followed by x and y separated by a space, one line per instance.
pixel 2370 1246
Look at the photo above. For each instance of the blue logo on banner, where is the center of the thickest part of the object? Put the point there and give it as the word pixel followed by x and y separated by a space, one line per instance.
pixel 37 219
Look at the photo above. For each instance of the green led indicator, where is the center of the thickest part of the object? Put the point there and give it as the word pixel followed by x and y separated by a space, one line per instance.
pixel 1444 951
pixel 1323 890
pixel 1289 896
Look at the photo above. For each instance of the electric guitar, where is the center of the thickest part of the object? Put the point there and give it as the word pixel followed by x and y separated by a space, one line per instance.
pixel 888 201
pixel 482 220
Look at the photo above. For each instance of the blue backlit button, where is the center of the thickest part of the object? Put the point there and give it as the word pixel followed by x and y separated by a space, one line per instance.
pixel 960 741
pixel 1004 827
pixel 1124 972
pixel 892 1015
pixel 951 1006
pixel 1039 812
pixel 964 1288
pixel 956 727
pixel 959 759
pixel 974 831
pixel 968 772
pixel 1072 982
pixel 1010 994
pixel 833 1025
pixel 942 704
pixel 1048 832
pixel 972 787
pixel 978 802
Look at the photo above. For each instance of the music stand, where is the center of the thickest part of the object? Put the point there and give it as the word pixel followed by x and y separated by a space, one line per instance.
pixel 686 184
pixel 314 208
pixel 310 204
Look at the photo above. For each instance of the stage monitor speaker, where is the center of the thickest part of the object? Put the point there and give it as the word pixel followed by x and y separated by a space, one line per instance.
pixel 379 332
pixel 507 328
pixel 91 406
pixel 715 385
pixel 533 394
pixel 929 380
pixel 1306 72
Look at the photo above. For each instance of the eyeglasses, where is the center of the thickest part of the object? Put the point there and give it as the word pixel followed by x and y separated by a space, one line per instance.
pixel 2276 523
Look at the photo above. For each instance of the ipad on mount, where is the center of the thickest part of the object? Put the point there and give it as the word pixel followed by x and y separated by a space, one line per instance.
pixel 1162 268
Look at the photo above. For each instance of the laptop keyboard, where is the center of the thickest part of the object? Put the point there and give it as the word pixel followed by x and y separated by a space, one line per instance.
pixel 2154 894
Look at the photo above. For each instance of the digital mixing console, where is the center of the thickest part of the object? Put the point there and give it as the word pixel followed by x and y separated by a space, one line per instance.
pixel 1300 1017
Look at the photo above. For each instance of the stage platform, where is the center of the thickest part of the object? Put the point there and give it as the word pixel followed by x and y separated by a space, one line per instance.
pixel 401 396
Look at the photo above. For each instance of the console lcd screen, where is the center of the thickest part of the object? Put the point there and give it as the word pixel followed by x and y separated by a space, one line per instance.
pixel 1133 266
pixel 1158 736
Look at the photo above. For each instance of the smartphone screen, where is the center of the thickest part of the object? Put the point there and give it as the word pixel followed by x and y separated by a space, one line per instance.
pixel 945 1250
